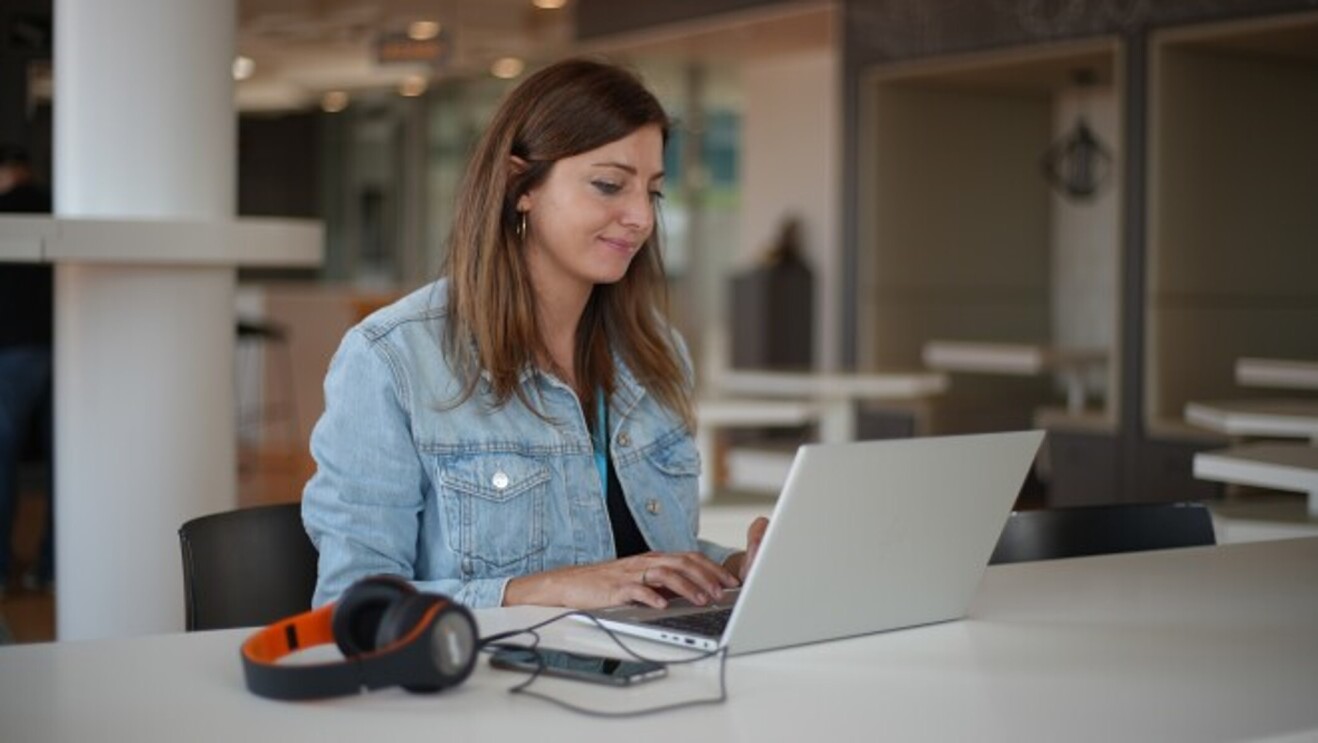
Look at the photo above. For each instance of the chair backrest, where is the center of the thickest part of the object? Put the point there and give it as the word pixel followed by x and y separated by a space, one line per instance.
pixel 1048 534
pixel 246 567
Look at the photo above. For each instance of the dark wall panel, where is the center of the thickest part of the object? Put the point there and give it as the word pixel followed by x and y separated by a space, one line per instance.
pixel 278 165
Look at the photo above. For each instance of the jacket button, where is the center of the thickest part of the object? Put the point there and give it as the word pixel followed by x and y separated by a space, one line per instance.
pixel 624 439
pixel 652 506
pixel 499 481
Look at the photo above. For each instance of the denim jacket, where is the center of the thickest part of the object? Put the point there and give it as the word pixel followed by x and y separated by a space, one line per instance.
pixel 461 499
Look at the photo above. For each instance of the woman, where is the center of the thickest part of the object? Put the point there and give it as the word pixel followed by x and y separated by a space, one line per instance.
pixel 521 430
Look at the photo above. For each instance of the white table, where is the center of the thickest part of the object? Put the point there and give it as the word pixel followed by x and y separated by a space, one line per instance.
pixel 715 415
pixel 1205 644
pixel 835 394
pixel 761 399
pixel 1018 359
pixel 1279 466
pixel 1274 418
pixel 1259 519
pixel 1254 372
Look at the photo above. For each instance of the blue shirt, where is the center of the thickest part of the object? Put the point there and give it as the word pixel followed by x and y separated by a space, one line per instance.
pixel 459 499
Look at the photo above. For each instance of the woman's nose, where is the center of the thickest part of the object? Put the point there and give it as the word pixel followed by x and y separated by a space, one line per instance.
pixel 638 213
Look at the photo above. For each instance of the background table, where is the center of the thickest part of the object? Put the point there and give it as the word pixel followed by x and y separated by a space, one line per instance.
pixel 1273 418
pixel 1204 644
pixel 1280 466
pixel 1291 373
pixel 1018 359
pixel 835 394
pixel 749 398
pixel 713 416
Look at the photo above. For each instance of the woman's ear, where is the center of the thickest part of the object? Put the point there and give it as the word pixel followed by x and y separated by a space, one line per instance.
pixel 517 166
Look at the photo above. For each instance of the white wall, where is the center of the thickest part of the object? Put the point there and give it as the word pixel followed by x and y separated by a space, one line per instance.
pixel 1086 240
pixel 789 165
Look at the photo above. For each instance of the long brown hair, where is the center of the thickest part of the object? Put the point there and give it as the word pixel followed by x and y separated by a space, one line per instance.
pixel 566 109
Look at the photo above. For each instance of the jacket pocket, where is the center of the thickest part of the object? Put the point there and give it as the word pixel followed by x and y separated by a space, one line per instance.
pixel 495 505
pixel 675 456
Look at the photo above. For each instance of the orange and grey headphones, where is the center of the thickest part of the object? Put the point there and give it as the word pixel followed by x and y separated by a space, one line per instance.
pixel 390 635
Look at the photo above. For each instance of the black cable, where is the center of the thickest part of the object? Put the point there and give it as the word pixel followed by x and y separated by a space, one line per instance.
pixel 522 688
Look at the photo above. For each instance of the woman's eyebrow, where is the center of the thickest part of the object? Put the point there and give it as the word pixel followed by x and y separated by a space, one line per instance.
pixel 627 168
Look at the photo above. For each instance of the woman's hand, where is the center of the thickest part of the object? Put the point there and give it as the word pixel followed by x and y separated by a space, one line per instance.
pixel 739 564
pixel 642 578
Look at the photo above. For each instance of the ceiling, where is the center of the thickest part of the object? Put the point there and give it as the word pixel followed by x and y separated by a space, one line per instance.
pixel 304 48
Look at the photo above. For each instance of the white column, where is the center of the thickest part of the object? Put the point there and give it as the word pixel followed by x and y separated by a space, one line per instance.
pixel 144 129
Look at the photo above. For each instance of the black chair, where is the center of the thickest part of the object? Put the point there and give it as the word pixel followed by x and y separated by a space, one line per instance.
pixel 246 567
pixel 1049 534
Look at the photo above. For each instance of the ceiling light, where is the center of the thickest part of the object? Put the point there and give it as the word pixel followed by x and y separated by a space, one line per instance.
pixel 243 67
pixel 422 30
pixel 334 101
pixel 549 4
pixel 412 86
pixel 506 68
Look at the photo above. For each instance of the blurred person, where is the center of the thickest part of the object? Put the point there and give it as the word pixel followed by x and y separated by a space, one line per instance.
pixel 25 364
pixel 520 431
pixel 19 189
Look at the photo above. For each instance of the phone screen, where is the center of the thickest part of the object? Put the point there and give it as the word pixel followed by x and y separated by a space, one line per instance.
pixel 612 671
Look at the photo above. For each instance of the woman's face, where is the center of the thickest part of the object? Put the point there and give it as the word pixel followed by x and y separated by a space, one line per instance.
pixel 593 212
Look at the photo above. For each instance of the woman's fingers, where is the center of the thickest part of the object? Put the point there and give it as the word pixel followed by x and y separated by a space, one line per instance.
pixel 643 594
pixel 711 575
pixel 755 532
pixel 690 575
pixel 642 578
pixel 680 583
pixel 754 535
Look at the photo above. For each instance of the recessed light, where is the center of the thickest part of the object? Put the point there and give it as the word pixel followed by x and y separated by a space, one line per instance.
pixel 422 30
pixel 334 101
pixel 549 4
pixel 506 68
pixel 243 67
pixel 412 86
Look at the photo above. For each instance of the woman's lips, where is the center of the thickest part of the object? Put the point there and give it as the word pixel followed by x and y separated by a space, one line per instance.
pixel 622 246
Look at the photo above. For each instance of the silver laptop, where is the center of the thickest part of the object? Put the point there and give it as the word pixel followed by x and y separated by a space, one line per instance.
pixel 866 537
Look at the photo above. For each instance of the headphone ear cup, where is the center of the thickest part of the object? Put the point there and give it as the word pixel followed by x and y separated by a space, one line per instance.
pixel 359 612
pixel 399 621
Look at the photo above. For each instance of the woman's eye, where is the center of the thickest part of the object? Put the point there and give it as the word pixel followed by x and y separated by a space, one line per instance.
pixel 656 195
pixel 606 188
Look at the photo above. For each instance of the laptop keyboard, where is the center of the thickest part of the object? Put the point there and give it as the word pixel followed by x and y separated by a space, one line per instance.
pixel 708 623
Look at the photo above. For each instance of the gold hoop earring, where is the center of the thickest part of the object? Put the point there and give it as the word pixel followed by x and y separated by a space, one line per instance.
pixel 521 227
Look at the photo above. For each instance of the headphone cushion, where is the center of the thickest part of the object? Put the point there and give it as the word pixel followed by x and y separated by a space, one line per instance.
pixel 399 621
pixel 402 618
pixel 360 611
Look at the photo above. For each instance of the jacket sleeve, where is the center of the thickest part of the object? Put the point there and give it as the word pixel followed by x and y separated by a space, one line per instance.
pixel 362 507
pixel 715 552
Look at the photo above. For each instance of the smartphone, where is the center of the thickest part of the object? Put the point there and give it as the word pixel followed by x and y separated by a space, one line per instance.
pixel 594 668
